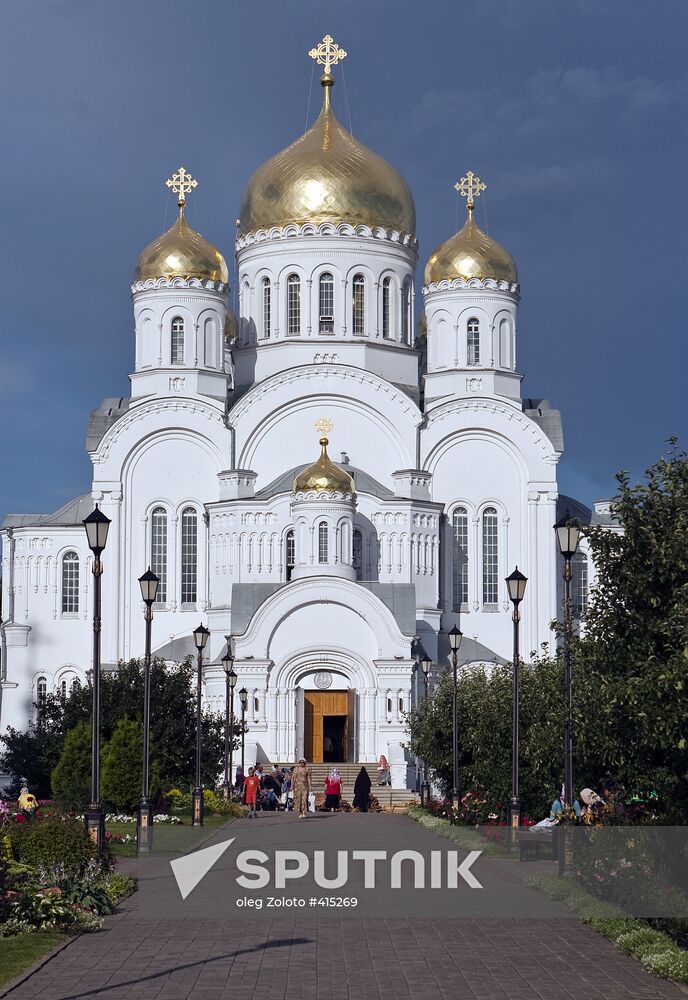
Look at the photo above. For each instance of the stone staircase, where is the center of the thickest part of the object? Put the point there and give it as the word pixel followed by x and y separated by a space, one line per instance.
pixel 389 798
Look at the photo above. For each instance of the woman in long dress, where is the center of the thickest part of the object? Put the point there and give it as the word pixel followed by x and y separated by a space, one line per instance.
pixel 362 791
pixel 301 786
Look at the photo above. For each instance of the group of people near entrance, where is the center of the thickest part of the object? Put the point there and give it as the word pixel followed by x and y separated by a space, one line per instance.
pixel 291 789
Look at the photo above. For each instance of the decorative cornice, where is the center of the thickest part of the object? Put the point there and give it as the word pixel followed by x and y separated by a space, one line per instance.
pixel 513 415
pixel 503 286
pixel 326 229
pixel 306 496
pixel 142 410
pixel 155 284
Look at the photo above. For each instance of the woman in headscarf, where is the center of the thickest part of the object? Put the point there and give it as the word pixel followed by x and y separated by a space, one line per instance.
pixel 301 786
pixel 362 791
pixel 333 790
pixel 383 770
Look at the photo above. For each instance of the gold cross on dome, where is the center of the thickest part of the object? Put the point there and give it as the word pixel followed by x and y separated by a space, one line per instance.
pixel 181 183
pixel 470 187
pixel 323 425
pixel 327 53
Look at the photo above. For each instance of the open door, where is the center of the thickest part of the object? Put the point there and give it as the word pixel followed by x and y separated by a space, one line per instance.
pixel 352 726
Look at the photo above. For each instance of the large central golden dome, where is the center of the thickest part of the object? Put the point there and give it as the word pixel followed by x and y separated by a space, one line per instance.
pixel 327 176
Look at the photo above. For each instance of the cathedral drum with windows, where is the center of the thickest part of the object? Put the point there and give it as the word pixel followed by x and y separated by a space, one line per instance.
pixel 331 574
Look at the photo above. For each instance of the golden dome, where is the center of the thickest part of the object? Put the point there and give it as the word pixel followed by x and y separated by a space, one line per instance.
pixel 324 475
pixel 181 252
pixel 327 176
pixel 471 253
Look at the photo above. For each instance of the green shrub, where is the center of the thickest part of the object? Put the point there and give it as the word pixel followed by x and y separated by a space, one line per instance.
pixel 611 927
pixel 670 964
pixel 71 778
pixel 56 840
pixel 221 806
pixel 644 941
pixel 116 886
pixel 122 770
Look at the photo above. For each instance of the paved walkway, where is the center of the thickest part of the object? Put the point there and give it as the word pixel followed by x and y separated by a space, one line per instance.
pixel 394 947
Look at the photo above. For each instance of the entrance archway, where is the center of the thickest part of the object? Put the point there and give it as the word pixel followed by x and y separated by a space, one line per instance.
pixel 329 719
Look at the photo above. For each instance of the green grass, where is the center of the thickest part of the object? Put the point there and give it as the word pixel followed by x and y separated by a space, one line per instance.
pixel 168 838
pixel 19 953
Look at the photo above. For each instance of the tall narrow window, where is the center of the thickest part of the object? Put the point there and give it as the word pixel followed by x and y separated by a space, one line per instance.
pixel 189 556
pixel 387 308
pixel 406 313
pixel 473 342
pixel 358 554
pixel 63 690
pixel 70 583
pixel 159 551
pixel 267 291
pixel 359 305
pixel 290 554
pixel 460 558
pixel 326 303
pixel 177 341
pixel 490 556
pixel 579 567
pixel 293 305
pixel 41 691
pixel 322 542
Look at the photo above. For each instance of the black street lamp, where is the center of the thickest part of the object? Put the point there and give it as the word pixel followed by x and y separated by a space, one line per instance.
pixel 455 637
pixel 97 525
pixel 516 582
pixel 201 636
pixel 230 684
pixel 149 584
pixel 568 537
pixel 426 667
pixel 243 697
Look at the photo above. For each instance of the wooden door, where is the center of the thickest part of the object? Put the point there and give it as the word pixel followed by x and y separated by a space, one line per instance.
pixel 317 704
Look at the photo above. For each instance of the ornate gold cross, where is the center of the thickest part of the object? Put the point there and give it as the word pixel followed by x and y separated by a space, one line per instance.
pixel 327 53
pixel 323 425
pixel 181 183
pixel 470 187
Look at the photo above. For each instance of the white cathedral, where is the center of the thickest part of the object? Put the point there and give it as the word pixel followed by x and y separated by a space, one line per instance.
pixel 331 573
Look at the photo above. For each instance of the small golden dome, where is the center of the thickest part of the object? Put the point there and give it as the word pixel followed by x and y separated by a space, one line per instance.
pixel 327 176
pixel 471 253
pixel 181 252
pixel 324 475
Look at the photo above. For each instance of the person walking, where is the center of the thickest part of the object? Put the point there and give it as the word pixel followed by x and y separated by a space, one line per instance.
pixel 301 786
pixel 362 791
pixel 333 790
pixel 239 780
pixel 251 790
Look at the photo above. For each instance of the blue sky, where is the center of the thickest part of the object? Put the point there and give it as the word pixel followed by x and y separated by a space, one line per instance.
pixel 574 113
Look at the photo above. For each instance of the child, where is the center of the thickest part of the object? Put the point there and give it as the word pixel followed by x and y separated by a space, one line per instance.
pixel 250 792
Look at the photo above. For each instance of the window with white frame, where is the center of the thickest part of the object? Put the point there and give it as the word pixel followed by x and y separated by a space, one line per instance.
pixel 359 305
pixel 460 558
pixel 473 342
pixel 62 690
pixel 177 341
pixel 267 305
pixel 293 305
pixel 159 551
pixel 290 554
pixel 490 556
pixel 357 552
pixel 189 556
pixel 387 308
pixel 70 583
pixel 579 584
pixel 41 691
pixel 326 303
pixel 322 542
pixel 406 312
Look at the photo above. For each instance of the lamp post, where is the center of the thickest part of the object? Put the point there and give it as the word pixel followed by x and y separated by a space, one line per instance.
pixel 426 667
pixel 201 636
pixel 243 697
pixel 230 684
pixel 568 537
pixel 455 637
pixel 516 582
pixel 97 525
pixel 149 584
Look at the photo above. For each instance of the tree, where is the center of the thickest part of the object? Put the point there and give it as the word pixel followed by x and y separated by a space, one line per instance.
pixel 122 771
pixel 71 777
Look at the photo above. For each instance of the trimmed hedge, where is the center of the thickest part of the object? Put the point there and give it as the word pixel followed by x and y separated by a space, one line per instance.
pixel 51 841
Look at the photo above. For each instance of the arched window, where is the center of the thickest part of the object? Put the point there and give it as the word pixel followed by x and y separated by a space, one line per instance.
pixel 293 305
pixel 387 308
pixel 579 571
pixel 70 583
pixel 322 542
pixel 326 303
pixel 267 291
pixel 359 305
pixel 460 558
pixel 473 342
pixel 189 556
pixel 358 553
pixel 159 551
pixel 490 556
pixel 62 690
pixel 406 313
pixel 290 554
pixel 177 341
pixel 41 691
